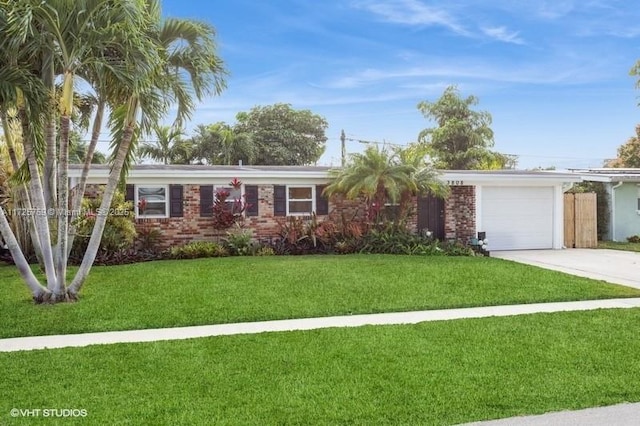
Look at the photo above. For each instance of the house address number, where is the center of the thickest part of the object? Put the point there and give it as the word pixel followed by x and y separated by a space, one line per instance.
pixel 455 182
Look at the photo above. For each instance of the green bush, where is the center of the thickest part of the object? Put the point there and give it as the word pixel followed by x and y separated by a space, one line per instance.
pixel 197 249
pixel 119 230
pixel 634 239
pixel 265 251
pixel 457 249
pixel 393 240
pixel 148 239
pixel 238 242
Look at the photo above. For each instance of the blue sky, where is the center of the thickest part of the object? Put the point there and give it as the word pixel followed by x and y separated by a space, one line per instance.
pixel 553 74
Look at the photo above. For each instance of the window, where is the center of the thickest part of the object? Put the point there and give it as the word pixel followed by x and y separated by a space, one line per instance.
pixel 151 201
pixel 638 210
pixel 300 200
pixel 233 195
pixel 391 212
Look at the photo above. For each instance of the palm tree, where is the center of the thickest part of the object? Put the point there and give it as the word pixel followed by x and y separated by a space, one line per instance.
pixel 127 66
pixel 233 146
pixel 378 177
pixel 189 70
pixel 167 148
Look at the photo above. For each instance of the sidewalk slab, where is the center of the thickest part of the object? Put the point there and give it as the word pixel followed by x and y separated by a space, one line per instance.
pixel 177 333
pixel 613 415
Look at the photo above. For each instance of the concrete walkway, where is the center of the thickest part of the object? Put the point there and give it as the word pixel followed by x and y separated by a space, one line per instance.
pixel 613 415
pixel 150 335
pixel 614 266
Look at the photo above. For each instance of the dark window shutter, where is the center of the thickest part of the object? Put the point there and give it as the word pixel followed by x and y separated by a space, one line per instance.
pixel 322 202
pixel 206 200
pixel 129 193
pixel 175 200
pixel 251 198
pixel 279 200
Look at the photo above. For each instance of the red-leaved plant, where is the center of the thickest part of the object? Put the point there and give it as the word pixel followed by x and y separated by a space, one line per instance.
pixel 228 213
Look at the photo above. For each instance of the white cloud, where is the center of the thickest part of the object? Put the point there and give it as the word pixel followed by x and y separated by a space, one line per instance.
pixel 411 12
pixel 503 34
pixel 548 73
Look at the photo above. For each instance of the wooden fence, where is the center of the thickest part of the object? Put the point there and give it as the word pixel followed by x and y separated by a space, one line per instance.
pixel 580 220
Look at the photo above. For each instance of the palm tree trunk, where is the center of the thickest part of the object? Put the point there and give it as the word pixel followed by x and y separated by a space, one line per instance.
pixel 82 183
pixel 101 219
pixel 37 199
pixel 63 214
pixel 39 292
pixel 22 191
pixel 49 181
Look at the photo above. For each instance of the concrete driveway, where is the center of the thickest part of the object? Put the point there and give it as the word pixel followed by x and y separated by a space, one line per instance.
pixel 614 266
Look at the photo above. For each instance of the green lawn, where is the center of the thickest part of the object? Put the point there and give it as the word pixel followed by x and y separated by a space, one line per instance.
pixel 225 290
pixel 431 373
pixel 614 245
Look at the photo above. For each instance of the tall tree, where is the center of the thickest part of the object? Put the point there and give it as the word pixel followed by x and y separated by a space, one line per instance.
pixel 168 148
pixel 462 138
pixel 283 135
pixel 131 67
pixel 378 177
pixel 79 151
pixel 219 143
pixel 628 153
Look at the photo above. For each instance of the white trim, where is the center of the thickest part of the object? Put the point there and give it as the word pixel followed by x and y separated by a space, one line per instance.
pixel 478 209
pixel 257 175
pixel 153 216
pixel 313 199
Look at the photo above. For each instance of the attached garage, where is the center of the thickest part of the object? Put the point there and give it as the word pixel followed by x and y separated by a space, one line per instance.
pixel 517 217
pixel 517 209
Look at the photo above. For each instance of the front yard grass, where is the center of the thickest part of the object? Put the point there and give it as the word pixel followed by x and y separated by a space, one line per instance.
pixel 431 373
pixel 616 245
pixel 238 289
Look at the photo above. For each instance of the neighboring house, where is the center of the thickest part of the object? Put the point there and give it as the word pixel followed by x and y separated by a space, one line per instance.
pixel 623 188
pixel 516 209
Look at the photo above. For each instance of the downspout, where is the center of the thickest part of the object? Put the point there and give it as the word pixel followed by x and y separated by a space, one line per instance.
pixel 613 210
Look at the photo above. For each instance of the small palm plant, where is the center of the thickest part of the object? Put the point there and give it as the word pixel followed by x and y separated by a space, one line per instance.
pixel 380 177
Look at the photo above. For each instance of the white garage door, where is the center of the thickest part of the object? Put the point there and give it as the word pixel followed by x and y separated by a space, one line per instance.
pixel 517 218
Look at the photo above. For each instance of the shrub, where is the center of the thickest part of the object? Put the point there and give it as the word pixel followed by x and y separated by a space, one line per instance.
pixel 298 235
pixel 119 230
pixel 197 249
pixel 634 239
pixel 265 251
pixel 148 239
pixel 457 249
pixel 238 242
pixel 121 257
pixel 395 240
pixel 226 214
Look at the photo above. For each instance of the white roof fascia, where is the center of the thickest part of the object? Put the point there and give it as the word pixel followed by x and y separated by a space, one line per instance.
pixel 261 176
pixel 508 179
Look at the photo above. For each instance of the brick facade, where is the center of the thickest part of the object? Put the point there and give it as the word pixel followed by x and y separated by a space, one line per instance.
pixel 460 219
pixel 460 214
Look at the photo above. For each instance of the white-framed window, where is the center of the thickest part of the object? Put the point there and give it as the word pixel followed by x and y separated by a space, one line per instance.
pixel 235 194
pixel 301 200
pixel 152 201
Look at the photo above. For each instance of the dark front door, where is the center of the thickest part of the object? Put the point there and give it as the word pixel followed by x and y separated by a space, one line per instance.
pixel 431 215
